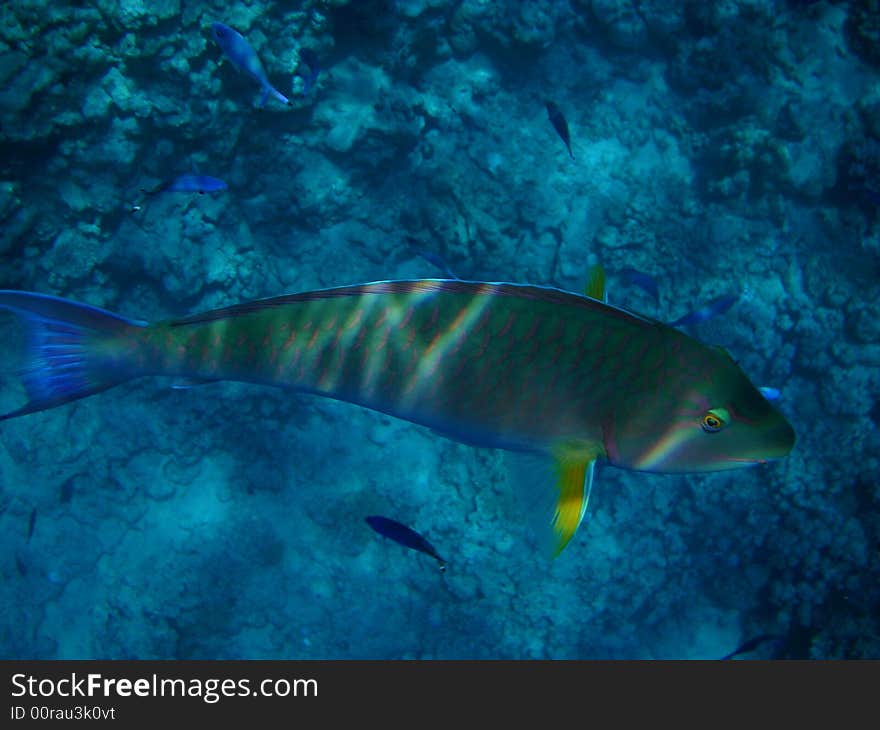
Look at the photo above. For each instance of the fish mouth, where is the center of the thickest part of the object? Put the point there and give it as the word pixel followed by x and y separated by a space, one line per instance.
pixel 737 462
pixel 776 446
pixel 784 437
pixel 749 462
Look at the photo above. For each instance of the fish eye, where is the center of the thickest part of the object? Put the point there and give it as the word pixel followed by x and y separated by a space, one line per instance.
pixel 714 420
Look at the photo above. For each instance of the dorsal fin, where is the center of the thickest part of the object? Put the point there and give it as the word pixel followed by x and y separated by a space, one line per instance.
pixel 594 287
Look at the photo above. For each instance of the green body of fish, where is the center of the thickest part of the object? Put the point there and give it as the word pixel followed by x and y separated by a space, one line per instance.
pixel 513 366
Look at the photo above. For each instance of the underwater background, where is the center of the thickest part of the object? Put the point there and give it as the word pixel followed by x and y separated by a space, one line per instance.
pixel 718 147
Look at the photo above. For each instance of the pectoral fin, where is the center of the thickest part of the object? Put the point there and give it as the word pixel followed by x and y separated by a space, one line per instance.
pixel 574 483
pixel 555 488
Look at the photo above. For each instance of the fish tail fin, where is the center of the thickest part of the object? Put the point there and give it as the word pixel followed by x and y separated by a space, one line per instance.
pixel 269 90
pixel 278 95
pixel 72 350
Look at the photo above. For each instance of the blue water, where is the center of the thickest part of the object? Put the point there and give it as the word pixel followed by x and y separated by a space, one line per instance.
pixel 718 147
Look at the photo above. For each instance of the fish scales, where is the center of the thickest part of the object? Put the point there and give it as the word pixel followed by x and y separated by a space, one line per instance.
pixel 519 363
pixel 567 377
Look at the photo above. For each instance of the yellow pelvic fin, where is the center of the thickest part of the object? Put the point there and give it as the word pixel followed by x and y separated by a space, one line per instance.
pixel 574 481
pixel 595 284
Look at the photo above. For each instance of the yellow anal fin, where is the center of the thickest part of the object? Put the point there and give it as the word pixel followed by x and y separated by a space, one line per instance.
pixel 574 483
pixel 594 287
pixel 553 487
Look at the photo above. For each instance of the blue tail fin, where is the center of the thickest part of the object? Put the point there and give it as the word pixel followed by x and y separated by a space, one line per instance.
pixel 63 363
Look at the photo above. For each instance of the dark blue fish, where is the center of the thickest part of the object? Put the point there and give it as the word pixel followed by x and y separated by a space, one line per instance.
pixel 308 58
pixel 559 124
pixel 865 194
pixel 642 280
pixel 871 196
pixel 404 535
pixel 66 491
pixel 190 182
pixel 236 48
pixel 21 564
pixel 433 259
pixel 32 522
pixel 754 643
pixel 707 311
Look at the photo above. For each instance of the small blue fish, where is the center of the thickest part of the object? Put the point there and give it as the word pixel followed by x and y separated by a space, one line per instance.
pixel 309 59
pixel 707 311
pixel 435 260
pixel 405 536
pixel 642 280
pixel 32 522
pixel 236 48
pixel 190 182
pixel 770 393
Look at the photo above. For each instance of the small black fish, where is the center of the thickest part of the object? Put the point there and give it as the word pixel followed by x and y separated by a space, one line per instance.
pixel 754 643
pixel 404 535
pixel 872 196
pixel 559 124
pixel 67 490
pixel 20 565
pixel 31 524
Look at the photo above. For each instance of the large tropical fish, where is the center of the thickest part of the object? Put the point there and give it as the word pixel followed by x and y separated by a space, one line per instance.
pixel 566 378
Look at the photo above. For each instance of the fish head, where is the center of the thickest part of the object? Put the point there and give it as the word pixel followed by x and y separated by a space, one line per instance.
pixel 703 415
pixel 223 35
